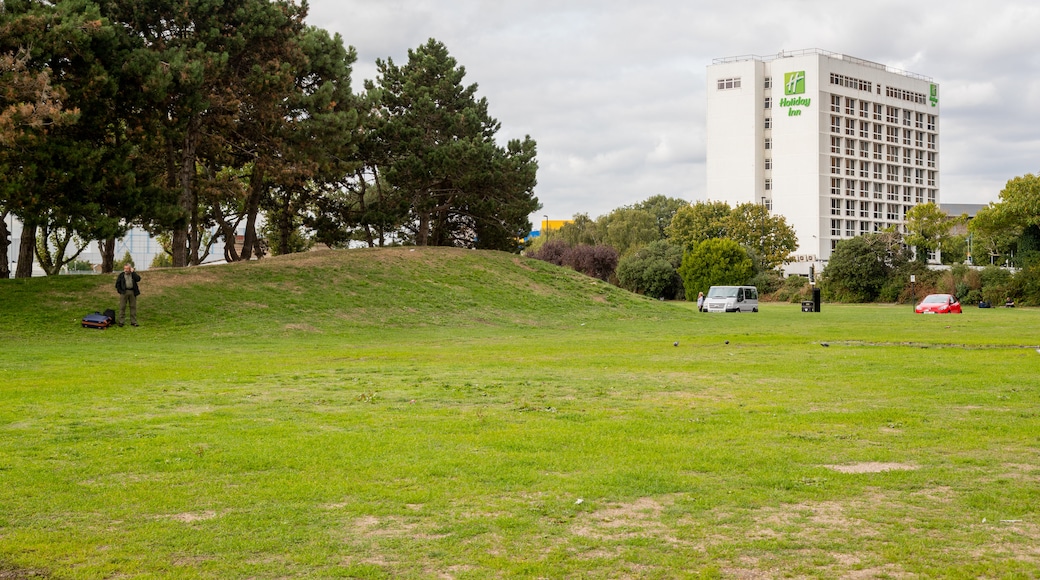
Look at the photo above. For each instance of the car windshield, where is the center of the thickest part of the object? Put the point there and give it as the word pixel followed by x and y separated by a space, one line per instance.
pixel 722 292
pixel 936 299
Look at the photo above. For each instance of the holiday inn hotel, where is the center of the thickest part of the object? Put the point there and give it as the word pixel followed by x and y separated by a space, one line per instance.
pixel 839 146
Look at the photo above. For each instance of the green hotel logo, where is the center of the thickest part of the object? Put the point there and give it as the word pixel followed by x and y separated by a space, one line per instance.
pixel 933 95
pixel 794 83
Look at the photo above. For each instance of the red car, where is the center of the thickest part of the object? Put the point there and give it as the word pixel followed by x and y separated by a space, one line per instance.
pixel 939 304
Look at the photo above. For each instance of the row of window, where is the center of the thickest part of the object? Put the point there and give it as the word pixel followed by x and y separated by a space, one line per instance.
pixel 886 133
pixel 852 83
pixel 868 209
pixel 882 152
pixel 893 115
pixel 877 190
pixel 867 169
pixel 919 98
pixel 730 83
pixel 855 228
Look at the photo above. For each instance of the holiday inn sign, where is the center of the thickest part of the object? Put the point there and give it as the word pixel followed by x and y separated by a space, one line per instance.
pixel 794 84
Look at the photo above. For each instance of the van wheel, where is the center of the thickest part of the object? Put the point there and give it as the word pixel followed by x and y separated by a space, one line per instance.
pixel 754 310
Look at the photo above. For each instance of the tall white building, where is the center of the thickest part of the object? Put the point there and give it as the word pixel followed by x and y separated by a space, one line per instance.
pixel 838 145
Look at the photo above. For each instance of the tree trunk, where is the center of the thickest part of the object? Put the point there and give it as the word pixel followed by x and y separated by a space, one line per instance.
pixel 26 251
pixel 108 254
pixel 186 182
pixel 5 244
pixel 256 188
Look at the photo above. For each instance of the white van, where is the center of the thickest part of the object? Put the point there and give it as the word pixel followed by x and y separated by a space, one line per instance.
pixel 731 299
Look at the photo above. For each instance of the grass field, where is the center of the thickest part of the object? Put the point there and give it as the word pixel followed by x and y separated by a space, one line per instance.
pixel 436 413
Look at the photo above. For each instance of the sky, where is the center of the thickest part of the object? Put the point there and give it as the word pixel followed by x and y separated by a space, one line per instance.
pixel 613 92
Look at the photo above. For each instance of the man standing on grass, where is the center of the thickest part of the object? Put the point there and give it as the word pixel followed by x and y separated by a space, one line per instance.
pixel 128 288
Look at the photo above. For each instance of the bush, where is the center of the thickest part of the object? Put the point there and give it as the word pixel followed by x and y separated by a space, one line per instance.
pixel 596 261
pixel 794 289
pixel 653 271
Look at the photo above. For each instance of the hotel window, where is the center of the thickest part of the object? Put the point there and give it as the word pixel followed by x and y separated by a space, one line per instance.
pixel 877 210
pixel 919 158
pixel 906 136
pixel 931 195
pixel 877 171
pixel 836 165
pixel 931 159
pixel 850 167
pixel 919 138
pixel 769 123
pixel 877 150
pixel 835 124
pixel 769 102
pixel 835 207
pixel 892 134
pixel 836 228
pixel 877 131
pixel 893 193
pixel 850 147
pixel 850 107
pixel 850 187
pixel 864 169
pixel 769 143
pixel 907 192
pixel 850 127
pixel 892 115
pixel 919 176
pixel 836 103
pixel 919 195
pixel 931 178
pixel 836 145
pixel 864 209
pixel 769 82
pixel 906 174
pixel 919 120
pixel 864 109
pixel 931 123
pixel 892 153
pixel 864 228
pixel 769 184
pixel 730 83
pixel 877 110
pixel 850 228
pixel 864 129
pixel 835 186
pixel 906 117
pixel 769 163
pixel 931 141
pixel 892 212
pixel 907 152
pixel 864 189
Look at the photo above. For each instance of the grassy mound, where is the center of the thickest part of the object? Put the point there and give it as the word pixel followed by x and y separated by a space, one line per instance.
pixel 330 289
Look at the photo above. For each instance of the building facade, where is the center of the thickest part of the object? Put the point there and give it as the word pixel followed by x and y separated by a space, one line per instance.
pixel 838 145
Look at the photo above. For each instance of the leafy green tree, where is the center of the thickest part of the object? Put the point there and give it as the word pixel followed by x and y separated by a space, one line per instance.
pixel 698 222
pixel 714 262
pixel 860 267
pixel 626 230
pixel 653 271
pixel 580 230
pixel 994 233
pixel 663 209
pixel 464 189
pixel 928 227
pixel 752 226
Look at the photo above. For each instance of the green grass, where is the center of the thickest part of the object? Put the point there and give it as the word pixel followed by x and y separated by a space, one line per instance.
pixel 438 413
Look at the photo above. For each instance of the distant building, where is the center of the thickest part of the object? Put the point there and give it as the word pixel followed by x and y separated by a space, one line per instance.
pixel 839 146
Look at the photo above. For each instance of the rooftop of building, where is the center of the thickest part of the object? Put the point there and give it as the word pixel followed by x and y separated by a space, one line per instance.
pixel 820 52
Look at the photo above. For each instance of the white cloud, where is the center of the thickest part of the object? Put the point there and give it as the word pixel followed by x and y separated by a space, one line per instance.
pixel 613 92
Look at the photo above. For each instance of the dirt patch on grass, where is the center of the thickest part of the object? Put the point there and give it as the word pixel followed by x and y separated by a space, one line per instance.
pixel 871 467
pixel 191 517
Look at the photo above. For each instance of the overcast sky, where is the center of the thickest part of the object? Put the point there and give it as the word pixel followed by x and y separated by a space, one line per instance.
pixel 613 91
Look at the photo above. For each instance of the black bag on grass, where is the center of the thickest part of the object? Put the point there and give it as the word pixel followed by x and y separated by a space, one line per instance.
pixel 97 320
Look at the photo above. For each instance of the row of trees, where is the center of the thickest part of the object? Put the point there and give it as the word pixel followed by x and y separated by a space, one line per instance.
pixel 199 120
pixel 670 248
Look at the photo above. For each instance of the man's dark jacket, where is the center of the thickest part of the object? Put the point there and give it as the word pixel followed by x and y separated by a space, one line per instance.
pixel 121 283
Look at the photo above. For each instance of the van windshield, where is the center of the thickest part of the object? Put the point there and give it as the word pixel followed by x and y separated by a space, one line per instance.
pixel 723 292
